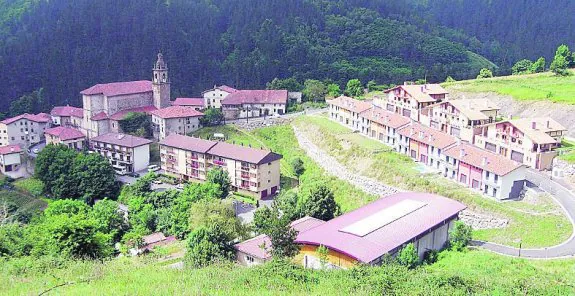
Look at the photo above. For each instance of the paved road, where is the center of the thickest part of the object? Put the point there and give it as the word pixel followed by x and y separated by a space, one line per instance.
pixel 566 198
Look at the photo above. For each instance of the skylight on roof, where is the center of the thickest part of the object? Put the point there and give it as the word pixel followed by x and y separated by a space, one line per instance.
pixel 384 217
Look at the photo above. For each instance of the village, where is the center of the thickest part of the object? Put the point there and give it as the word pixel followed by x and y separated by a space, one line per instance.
pixel 467 142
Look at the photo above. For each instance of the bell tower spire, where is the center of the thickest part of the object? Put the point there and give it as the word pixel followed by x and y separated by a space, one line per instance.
pixel 161 83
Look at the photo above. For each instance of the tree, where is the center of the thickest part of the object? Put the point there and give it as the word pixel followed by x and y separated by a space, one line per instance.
pixel 290 84
pixel 333 90
pixel 52 162
pixel 561 61
pixel 460 236
pixel 34 102
pixel 263 218
pixel 220 177
pixel 485 73
pixel 449 79
pixel 320 203
pixel 314 90
pixel 13 241
pixel 206 246
pixel 323 255
pixel 297 166
pixel 288 204
pixel 538 66
pixel 371 85
pixel 277 227
pixel 354 88
pixel 522 67
pixel 109 219
pixel 408 256
pixel 212 117
pixel 137 124
pixel 94 178
pixel 207 213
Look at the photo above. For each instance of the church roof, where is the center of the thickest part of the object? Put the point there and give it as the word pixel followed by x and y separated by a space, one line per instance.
pixel 119 88
pixel 67 111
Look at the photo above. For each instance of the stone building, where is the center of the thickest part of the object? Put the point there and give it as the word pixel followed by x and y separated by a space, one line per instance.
pixel 105 103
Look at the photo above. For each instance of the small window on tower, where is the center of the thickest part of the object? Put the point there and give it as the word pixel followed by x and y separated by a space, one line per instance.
pixel 164 77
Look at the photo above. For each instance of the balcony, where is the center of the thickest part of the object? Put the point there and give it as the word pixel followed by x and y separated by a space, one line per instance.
pixel 219 162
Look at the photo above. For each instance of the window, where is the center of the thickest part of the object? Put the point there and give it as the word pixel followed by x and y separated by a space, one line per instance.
pixel 249 259
pixel 22 137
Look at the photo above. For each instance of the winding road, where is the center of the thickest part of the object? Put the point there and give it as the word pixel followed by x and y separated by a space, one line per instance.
pixel 562 193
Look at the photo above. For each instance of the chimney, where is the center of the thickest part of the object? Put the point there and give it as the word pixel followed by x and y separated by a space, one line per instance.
pixel 11 149
pixel 484 161
pixel 421 135
pixel 431 138
pixel 548 124
pixel 462 152
pixel 534 125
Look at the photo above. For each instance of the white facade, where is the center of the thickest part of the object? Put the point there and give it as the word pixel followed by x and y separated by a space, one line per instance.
pixel 213 98
pixel 10 162
pixel 181 126
pixel 22 132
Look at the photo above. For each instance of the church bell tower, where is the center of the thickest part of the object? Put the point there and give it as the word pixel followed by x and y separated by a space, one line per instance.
pixel 161 83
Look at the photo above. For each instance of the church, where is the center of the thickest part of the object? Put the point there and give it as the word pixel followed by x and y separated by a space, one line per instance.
pixel 105 105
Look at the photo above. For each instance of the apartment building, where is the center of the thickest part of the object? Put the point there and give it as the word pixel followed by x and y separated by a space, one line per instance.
pixel 68 136
pixel 408 99
pixel 531 141
pixel 175 120
pixel 126 153
pixel 346 110
pixel 10 159
pixel 213 97
pixel 424 144
pixel 24 130
pixel 252 171
pixel 383 125
pixel 67 116
pixel 460 118
pixel 484 171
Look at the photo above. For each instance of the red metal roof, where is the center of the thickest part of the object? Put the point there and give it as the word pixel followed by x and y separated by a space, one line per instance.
pixel 10 149
pixel 40 117
pixel 119 88
pixel 385 117
pixel 64 133
pixel 484 159
pixel 188 143
pixel 351 104
pixel 388 237
pixel 427 135
pixel 196 102
pixel 256 97
pixel 176 112
pixel 243 153
pixel 121 140
pixel 121 114
pixel 67 111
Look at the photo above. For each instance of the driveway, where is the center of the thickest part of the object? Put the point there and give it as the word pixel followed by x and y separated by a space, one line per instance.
pixel 38 146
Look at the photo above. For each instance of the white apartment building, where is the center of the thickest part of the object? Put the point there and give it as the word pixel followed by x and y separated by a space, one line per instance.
pixel 346 111
pixel 10 159
pixel 126 153
pixel 408 100
pixel 24 130
pixel 175 120
pixel 213 97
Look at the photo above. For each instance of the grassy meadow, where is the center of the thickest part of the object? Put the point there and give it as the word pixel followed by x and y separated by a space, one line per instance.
pixel 541 86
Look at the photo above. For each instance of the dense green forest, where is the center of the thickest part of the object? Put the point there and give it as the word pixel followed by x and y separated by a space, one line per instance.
pixel 65 46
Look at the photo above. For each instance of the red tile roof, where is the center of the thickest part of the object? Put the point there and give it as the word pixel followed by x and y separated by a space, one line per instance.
pixel 65 133
pixel 351 104
pixel 40 117
pixel 10 149
pixel 121 114
pixel 99 116
pixel 243 153
pixel 385 117
pixel 197 102
pixel 67 111
pixel 483 159
pixel 188 143
pixel 119 88
pixel 427 135
pixel 256 97
pixel 121 140
pixel 254 246
pixel 387 238
pixel 176 112
pixel 421 93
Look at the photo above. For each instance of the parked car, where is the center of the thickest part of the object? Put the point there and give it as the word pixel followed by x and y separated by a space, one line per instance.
pixel 36 150
pixel 134 174
pixel 180 186
pixel 121 173
pixel 157 181
pixel 153 168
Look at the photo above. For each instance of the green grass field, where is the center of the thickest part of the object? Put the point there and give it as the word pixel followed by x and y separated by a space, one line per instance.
pixel 542 86
pixel 376 160
pixel 469 273
pixel 567 151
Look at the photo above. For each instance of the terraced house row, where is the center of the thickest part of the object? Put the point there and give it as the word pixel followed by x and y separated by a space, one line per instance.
pixel 252 171
pixel 461 139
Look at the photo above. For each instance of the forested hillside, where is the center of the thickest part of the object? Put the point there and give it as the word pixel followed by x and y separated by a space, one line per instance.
pixel 64 46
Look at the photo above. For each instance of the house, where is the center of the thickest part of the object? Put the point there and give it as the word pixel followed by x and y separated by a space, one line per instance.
pixel 67 116
pixel 10 159
pixel 213 97
pixel 409 99
pixel 254 103
pixel 252 171
pixel 346 110
pixel 383 125
pixel 24 130
pixel 175 120
pixel 381 228
pixel 531 141
pixel 125 153
pixel 257 250
pixel 424 144
pixel 195 103
pixel 64 135
pixel 460 118
pixel 491 174
pixel 106 104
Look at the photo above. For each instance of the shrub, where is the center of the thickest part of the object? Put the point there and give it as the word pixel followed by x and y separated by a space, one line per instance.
pixel 485 73
pixel 460 236
pixel 408 256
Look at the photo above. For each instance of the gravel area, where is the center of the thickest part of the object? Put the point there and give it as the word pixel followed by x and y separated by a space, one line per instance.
pixel 479 221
